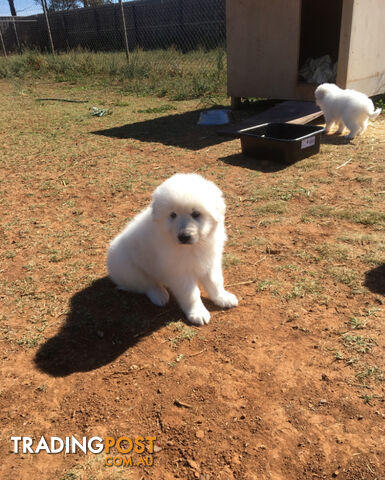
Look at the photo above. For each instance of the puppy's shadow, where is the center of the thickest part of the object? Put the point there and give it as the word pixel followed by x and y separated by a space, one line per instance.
pixel 102 323
pixel 335 139
pixel 375 280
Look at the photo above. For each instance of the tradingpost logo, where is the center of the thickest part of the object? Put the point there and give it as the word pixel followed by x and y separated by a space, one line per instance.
pixel 123 451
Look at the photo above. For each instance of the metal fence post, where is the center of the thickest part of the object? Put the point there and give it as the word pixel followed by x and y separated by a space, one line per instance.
pixel 2 43
pixel 16 35
pixel 124 31
pixel 43 2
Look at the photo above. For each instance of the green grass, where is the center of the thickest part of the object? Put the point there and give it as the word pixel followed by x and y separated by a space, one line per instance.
pixel 370 372
pixel 329 251
pixel 183 333
pixel 356 323
pixel 364 239
pixel 344 275
pixel 163 73
pixel 160 109
pixel 379 101
pixel 267 285
pixel 302 288
pixel 230 260
pixel 364 217
pixel 359 343
pixel 271 208
pixel 30 341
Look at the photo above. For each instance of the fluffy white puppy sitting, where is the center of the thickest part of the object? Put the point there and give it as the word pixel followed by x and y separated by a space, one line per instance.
pixel 175 243
pixel 346 108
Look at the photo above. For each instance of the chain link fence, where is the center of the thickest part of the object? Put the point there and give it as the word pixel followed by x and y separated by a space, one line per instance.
pixel 184 25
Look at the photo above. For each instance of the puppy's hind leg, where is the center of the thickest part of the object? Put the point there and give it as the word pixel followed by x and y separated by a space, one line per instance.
pixel 158 295
pixel 354 129
pixel 341 128
pixel 364 126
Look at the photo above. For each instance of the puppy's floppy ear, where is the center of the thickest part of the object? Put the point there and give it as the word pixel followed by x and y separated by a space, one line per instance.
pixel 320 92
pixel 217 207
pixel 155 214
pixel 156 210
pixel 156 206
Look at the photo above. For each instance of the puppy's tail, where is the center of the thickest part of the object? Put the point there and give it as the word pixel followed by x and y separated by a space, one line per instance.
pixel 374 114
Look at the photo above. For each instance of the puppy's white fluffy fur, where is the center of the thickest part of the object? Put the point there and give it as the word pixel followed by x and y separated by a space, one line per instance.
pixel 175 243
pixel 346 108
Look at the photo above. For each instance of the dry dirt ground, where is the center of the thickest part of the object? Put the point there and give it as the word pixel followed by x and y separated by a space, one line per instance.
pixel 288 386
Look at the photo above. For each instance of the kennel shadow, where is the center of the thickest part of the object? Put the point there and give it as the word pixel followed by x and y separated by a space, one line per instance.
pixel 178 130
pixel 375 280
pixel 103 322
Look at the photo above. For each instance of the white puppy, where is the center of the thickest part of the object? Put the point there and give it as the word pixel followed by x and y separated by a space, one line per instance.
pixel 346 108
pixel 175 243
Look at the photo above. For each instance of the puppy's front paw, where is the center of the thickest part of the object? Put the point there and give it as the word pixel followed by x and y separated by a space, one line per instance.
pixel 199 316
pixel 226 300
pixel 158 295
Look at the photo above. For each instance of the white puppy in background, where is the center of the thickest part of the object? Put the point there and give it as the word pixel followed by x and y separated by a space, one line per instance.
pixel 175 243
pixel 346 108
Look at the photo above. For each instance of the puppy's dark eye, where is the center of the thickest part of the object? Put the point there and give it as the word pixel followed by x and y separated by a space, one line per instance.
pixel 172 215
pixel 195 214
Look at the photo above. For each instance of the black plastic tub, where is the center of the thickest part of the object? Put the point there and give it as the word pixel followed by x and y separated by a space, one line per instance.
pixel 283 142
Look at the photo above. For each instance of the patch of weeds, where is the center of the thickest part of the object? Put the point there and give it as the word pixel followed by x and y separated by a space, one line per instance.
pixel 324 180
pixel 42 388
pixel 359 343
pixel 121 103
pixel 363 239
pixel 371 372
pixel 8 333
pixel 328 251
pixel 339 356
pixel 288 268
pixel 369 311
pixel 351 361
pixel 372 259
pixel 267 284
pixel 356 324
pixel 302 288
pixel 364 179
pixel 29 266
pixel 93 469
pixel 57 256
pixel 160 109
pixel 69 203
pixel 256 242
pixel 229 260
pixel 271 208
pixel 344 275
pixel 379 101
pixel 29 341
pixel 364 217
pixel 69 476
pixel 184 333
pixel 121 186
pixel 307 256
pixel 269 221
pixel 320 211
pixel 178 358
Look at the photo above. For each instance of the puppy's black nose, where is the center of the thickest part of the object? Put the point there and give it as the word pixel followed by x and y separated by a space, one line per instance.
pixel 184 238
